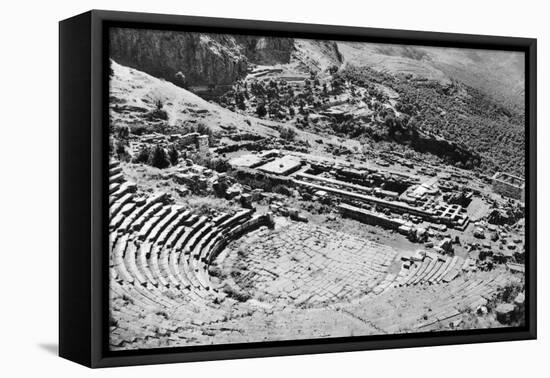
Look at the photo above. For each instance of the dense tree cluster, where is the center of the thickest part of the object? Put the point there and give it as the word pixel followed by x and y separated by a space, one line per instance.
pixel 454 111
pixel 451 120
pixel 157 156
pixel 278 99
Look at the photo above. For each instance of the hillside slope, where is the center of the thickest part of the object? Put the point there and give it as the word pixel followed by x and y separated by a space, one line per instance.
pixel 195 59
pixel 316 55
pixel 454 111
pixel 206 59
pixel 134 96
pixel 496 73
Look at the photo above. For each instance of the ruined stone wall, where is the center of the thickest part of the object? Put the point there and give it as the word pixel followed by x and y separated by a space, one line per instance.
pixel 502 187
pixel 369 217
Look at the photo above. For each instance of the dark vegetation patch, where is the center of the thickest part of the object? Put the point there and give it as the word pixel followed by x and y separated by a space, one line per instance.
pixel 236 293
pixel 455 112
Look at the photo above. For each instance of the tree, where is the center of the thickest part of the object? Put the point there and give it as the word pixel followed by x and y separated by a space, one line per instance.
pixel 120 150
pixel 158 104
pixel 337 85
pixel 123 132
pixel 159 158
pixel 239 100
pixel 288 133
pixel 181 80
pixel 204 129
pixel 274 108
pixel 143 156
pixel 261 111
pixel 173 155
pixel 158 112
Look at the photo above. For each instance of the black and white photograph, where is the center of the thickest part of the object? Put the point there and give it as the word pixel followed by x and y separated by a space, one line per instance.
pixel 296 189
pixel 273 188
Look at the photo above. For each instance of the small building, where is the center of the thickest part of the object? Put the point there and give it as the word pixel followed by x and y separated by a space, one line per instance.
pixel 509 185
pixel 282 166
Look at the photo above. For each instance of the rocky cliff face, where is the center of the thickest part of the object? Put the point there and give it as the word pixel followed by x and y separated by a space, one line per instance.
pixel 195 59
pixel 190 58
pixel 317 56
pixel 266 50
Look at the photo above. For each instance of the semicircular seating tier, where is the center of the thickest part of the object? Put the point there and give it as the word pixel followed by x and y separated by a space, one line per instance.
pixel 162 263
pixel 160 254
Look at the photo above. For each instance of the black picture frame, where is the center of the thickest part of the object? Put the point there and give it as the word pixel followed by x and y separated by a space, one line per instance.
pixel 83 181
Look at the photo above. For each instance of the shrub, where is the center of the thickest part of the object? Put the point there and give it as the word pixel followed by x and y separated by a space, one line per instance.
pixel 216 271
pixel 507 293
pixel 143 156
pixel 236 294
pixel 180 79
pixel 203 209
pixel 121 152
pixel 239 99
pixel 162 313
pixel 122 132
pixel 218 165
pixel 158 112
pixel 281 189
pixel 173 155
pixel 203 129
pixel 159 158
pixel 139 129
pixel 288 133
pixel 261 111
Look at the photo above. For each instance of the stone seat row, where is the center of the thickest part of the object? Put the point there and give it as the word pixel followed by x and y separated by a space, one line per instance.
pixel 470 294
pixel 431 269
pixel 160 255
pixel 445 302
pixel 148 226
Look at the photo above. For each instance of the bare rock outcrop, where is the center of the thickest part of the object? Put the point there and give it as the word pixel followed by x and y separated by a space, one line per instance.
pixel 266 50
pixel 182 58
pixel 195 59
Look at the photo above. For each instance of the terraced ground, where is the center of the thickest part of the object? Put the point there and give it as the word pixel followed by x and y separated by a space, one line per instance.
pixel 159 254
pixel 179 278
